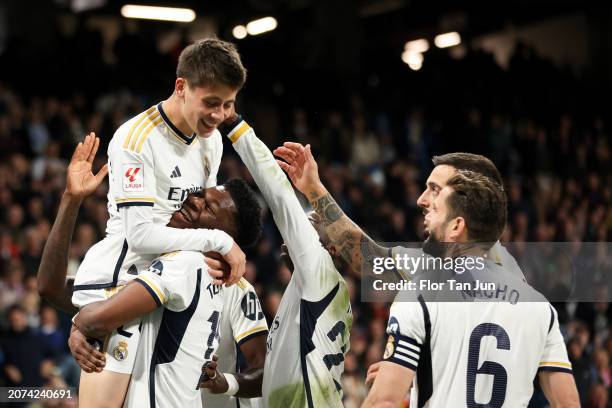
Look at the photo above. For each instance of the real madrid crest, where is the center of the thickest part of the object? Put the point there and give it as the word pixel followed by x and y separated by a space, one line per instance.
pixel 389 348
pixel 120 352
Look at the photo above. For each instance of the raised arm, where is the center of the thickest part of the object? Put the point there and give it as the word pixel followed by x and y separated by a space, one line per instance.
pixel 314 269
pixel 355 246
pixel 80 183
pixel 291 220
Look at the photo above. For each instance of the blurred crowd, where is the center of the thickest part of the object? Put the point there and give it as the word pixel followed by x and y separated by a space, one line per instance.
pixel 374 160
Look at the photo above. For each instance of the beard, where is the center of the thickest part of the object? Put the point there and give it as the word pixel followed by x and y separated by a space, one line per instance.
pixel 433 246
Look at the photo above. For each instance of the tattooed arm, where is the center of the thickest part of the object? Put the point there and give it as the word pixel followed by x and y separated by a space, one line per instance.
pixel 356 248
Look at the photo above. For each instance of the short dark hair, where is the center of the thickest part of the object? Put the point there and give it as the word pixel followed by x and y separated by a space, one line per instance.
pixel 15 307
pixel 249 223
pixel 481 202
pixel 211 61
pixel 472 162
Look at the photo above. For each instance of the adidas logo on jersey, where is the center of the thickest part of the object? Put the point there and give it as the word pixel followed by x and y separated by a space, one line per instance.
pixel 176 172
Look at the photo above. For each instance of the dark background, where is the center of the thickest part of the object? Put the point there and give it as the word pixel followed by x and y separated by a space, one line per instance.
pixel 529 86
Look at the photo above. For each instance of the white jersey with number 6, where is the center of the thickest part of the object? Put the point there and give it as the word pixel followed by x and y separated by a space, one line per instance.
pixel 178 338
pixel 477 353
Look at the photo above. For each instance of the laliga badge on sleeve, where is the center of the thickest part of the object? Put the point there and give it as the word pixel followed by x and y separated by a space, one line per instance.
pixel 133 177
pixel 120 352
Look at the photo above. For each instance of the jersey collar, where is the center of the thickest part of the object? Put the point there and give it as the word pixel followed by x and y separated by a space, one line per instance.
pixel 185 139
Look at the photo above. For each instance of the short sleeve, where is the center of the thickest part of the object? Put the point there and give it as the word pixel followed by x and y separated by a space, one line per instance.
pixel 246 315
pixel 406 330
pixel 171 278
pixel 131 161
pixel 554 357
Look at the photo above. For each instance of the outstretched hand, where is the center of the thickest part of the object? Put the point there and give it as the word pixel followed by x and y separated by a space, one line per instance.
pixel 300 166
pixel 80 181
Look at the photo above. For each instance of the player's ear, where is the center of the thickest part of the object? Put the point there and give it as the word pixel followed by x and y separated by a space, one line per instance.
pixel 179 87
pixel 458 228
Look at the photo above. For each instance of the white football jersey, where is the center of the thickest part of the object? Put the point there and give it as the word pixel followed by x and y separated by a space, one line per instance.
pixel 241 320
pixel 151 163
pixel 309 336
pixel 479 352
pixel 178 338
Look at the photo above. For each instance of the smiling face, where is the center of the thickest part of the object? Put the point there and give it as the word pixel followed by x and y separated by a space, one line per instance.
pixel 211 208
pixel 204 108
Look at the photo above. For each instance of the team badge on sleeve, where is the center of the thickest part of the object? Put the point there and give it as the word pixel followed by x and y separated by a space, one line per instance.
pixel 133 177
pixel 389 349
pixel 120 352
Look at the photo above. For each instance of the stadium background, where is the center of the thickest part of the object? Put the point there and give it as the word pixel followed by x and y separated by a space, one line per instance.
pixel 528 86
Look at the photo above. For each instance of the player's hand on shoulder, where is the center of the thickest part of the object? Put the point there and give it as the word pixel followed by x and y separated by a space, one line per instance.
pixel 218 269
pixel 80 180
pixel 237 262
pixel 299 164
pixel 87 357
pixel 212 379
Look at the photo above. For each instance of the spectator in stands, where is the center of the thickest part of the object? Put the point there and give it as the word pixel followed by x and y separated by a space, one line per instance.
pixel 24 351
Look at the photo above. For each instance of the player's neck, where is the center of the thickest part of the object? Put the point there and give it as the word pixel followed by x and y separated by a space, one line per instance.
pixel 470 249
pixel 171 107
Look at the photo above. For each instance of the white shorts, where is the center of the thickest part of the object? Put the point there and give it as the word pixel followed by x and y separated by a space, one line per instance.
pixel 107 264
pixel 121 347
pixel 106 269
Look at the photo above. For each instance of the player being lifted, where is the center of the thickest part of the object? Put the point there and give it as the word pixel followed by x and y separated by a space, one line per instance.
pixel 353 244
pixel 314 318
pixel 480 353
pixel 155 160
pixel 168 363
